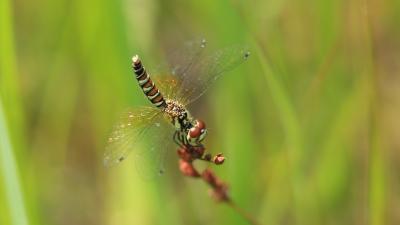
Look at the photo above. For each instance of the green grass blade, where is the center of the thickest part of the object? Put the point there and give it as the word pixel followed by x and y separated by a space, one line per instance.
pixel 377 171
pixel 10 174
pixel 14 200
pixel 291 127
pixel 283 103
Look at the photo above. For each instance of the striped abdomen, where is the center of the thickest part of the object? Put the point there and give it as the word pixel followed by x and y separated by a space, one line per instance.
pixel 147 85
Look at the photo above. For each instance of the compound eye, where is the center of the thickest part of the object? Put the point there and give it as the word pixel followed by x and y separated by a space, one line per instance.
pixel 194 132
pixel 201 125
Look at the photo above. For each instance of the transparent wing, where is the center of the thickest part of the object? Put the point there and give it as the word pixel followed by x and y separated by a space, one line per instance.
pixel 180 62
pixel 194 70
pixel 145 132
pixel 128 133
pixel 157 142
pixel 168 85
pixel 208 69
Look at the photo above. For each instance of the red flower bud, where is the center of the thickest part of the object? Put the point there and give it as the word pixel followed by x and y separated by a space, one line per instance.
pixel 187 169
pixel 219 159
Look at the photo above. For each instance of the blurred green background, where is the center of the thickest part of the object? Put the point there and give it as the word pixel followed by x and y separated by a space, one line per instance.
pixel 309 123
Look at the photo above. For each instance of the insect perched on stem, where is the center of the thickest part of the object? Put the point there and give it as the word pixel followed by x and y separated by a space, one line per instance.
pixel 147 130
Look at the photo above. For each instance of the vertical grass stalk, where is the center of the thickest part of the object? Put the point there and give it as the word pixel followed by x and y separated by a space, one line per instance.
pixel 376 170
pixel 9 171
pixel 290 125
pixel 8 94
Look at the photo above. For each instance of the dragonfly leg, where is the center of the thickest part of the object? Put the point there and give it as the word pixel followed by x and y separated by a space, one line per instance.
pixel 184 141
pixel 177 139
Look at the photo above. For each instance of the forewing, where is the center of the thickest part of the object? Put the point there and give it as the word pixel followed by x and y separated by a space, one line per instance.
pixel 180 62
pixel 208 69
pixel 192 70
pixel 128 132
pixel 183 59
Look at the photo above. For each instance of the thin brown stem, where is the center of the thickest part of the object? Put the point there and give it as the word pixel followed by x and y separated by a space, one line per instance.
pixel 243 213
pixel 219 189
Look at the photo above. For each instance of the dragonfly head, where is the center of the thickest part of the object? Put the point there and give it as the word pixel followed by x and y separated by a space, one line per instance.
pixel 197 133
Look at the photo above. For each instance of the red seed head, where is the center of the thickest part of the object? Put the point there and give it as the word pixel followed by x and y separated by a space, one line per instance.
pixel 187 169
pixel 219 159
pixel 184 155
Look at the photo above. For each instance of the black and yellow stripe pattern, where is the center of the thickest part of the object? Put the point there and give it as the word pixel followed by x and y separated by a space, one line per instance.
pixel 147 85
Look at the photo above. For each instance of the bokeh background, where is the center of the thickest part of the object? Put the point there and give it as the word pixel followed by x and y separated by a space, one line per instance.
pixel 309 123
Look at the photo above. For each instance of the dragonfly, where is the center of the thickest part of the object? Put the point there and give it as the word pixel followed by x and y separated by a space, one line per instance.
pixel 148 130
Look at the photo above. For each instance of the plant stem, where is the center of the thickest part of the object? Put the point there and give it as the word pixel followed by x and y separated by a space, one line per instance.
pixel 243 213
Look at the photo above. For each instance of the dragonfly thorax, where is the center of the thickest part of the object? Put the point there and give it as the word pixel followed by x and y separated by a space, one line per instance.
pixel 180 116
pixel 192 131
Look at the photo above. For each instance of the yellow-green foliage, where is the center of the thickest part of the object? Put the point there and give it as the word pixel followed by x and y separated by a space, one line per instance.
pixel 309 124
